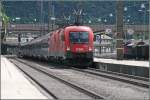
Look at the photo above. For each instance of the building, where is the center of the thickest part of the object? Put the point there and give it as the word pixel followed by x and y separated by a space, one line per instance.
pixel 103 44
pixel 0 23
pixel 15 39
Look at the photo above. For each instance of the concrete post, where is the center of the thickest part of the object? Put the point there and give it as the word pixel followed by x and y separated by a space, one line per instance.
pixel 49 15
pixel 41 17
pixel 119 25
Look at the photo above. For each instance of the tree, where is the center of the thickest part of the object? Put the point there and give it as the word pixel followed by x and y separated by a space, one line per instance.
pixel 5 21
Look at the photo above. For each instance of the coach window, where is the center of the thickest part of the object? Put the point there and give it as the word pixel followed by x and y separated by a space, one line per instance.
pixel 48 42
pixel 45 45
pixel 62 36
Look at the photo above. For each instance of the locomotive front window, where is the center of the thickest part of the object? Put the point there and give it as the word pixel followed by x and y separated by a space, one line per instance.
pixel 79 37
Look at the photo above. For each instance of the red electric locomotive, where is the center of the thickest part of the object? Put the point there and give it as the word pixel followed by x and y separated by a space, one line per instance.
pixel 73 44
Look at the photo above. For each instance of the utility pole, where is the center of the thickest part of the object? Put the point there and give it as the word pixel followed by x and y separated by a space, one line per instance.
pixel 49 15
pixel 0 24
pixel 19 43
pixel 53 16
pixel 41 16
pixel 119 25
pixel 0 16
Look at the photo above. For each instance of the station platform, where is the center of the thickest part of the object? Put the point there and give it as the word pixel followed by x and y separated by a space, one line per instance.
pixel 123 62
pixel 14 85
pixel 130 67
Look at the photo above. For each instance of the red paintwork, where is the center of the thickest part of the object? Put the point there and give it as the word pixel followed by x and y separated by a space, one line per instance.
pixel 56 45
pixel 55 42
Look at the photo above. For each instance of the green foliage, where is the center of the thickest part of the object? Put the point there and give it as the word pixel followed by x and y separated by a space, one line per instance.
pixel 5 20
pixel 3 15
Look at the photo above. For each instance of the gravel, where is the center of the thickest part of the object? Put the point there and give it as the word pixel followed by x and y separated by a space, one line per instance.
pixel 61 90
pixel 106 87
pixel 111 89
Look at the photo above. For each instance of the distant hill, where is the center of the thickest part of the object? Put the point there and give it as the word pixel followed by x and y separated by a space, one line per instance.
pixel 94 11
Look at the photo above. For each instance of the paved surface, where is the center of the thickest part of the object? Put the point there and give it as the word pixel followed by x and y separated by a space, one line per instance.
pixel 123 62
pixel 14 85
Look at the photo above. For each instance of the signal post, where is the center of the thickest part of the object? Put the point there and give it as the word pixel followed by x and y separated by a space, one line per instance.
pixel 119 37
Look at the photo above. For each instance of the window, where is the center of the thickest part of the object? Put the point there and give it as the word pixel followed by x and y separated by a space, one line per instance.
pixel 79 37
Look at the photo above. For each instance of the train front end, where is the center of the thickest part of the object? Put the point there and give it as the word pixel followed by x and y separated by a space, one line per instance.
pixel 79 45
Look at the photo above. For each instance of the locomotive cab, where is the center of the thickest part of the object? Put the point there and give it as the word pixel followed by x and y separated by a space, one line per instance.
pixel 79 44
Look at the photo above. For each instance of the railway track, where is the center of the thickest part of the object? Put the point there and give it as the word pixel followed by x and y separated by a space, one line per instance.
pixel 135 80
pixel 72 85
pixel 131 79
pixel 103 83
pixel 36 82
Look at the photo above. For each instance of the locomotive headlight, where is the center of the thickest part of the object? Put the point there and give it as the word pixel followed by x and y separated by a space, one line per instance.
pixel 90 49
pixel 68 48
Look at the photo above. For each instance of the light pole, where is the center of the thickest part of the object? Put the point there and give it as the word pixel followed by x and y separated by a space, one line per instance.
pixel 0 16
pixel 105 20
pixel 99 20
pixel 41 17
pixel 53 22
pixel 89 21
pixel 125 8
pixel 144 12
pixel 49 14
pixel 53 16
pixel 18 20
pixel 110 15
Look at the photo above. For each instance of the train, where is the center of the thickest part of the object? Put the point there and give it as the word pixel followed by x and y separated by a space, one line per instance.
pixel 71 44
pixel 139 50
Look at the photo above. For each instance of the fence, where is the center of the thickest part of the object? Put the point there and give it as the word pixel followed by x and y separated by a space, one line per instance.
pixel 105 49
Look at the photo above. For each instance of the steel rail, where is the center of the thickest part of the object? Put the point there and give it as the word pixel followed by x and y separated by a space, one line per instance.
pixel 73 85
pixel 118 77
pixel 121 74
pixel 33 79
pixel 135 80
